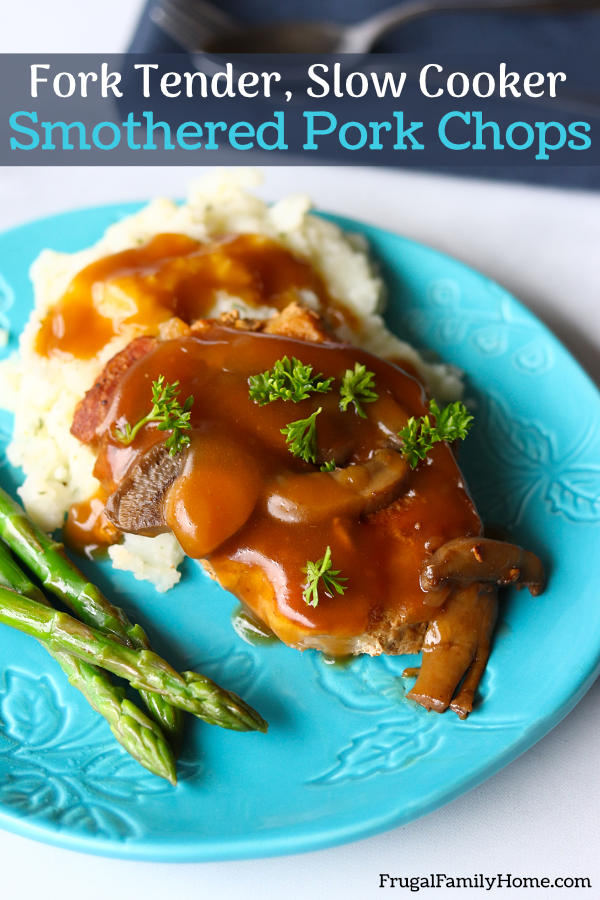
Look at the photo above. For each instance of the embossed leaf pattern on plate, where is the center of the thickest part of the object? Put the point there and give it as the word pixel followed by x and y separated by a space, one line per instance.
pixel 390 747
pixel 397 743
pixel 364 683
pixel 446 317
pixel 407 734
pixel 238 670
pixel 528 460
pixel 67 771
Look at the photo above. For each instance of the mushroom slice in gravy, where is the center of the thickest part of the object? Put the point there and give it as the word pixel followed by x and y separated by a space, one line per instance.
pixel 463 561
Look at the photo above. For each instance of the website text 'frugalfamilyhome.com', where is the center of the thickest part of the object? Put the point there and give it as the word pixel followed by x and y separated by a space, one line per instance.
pixel 479 881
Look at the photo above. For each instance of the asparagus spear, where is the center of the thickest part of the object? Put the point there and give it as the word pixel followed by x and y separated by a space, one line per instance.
pixel 47 559
pixel 135 731
pixel 144 669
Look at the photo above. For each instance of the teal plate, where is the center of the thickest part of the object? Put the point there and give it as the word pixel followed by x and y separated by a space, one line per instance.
pixel 346 755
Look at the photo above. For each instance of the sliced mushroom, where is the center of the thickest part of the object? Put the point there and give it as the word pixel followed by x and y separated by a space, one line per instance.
pixel 456 645
pixel 462 702
pixel 355 490
pixel 137 505
pixel 463 561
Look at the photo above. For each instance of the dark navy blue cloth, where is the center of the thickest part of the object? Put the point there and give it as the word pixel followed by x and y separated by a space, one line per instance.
pixel 567 35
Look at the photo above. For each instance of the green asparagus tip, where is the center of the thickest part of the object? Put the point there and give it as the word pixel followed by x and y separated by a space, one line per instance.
pixel 144 740
pixel 223 707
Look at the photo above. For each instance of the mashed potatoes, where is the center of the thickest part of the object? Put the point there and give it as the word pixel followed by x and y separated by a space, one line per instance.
pixel 43 392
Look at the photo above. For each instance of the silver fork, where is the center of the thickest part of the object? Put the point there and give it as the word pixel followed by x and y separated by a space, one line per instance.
pixel 198 25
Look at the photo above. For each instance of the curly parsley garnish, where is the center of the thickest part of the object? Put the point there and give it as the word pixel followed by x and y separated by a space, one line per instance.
pixel 169 415
pixel 301 437
pixel 287 380
pixel 358 387
pixel 328 466
pixel 321 571
pixel 419 435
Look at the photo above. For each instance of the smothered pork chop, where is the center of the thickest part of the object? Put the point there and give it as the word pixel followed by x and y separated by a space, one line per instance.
pixel 290 471
pixel 215 378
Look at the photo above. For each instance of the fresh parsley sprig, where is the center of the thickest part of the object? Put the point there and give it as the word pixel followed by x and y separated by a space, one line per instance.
pixel 321 571
pixel 169 415
pixel 358 387
pixel 328 466
pixel 301 437
pixel 419 435
pixel 287 380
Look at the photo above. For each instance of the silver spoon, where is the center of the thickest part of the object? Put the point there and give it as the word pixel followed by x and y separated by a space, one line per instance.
pixel 200 26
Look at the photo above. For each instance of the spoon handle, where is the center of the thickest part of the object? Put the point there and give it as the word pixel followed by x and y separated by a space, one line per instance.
pixel 361 37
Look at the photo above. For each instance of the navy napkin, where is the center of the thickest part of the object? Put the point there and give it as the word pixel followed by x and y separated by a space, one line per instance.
pixel 567 36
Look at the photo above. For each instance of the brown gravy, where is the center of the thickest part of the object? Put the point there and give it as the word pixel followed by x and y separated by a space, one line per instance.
pixel 171 275
pixel 238 461
pixel 86 528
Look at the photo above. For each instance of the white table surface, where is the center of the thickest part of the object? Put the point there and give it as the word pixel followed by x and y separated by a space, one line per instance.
pixel 539 816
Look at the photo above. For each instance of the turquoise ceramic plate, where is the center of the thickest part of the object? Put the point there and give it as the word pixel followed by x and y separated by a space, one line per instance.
pixel 346 755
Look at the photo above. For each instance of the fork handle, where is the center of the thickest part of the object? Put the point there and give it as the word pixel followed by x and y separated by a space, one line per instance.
pixel 191 23
pixel 361 37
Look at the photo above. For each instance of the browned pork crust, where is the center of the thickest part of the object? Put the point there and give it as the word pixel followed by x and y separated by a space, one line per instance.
pixel 91 411
pixel 294 321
